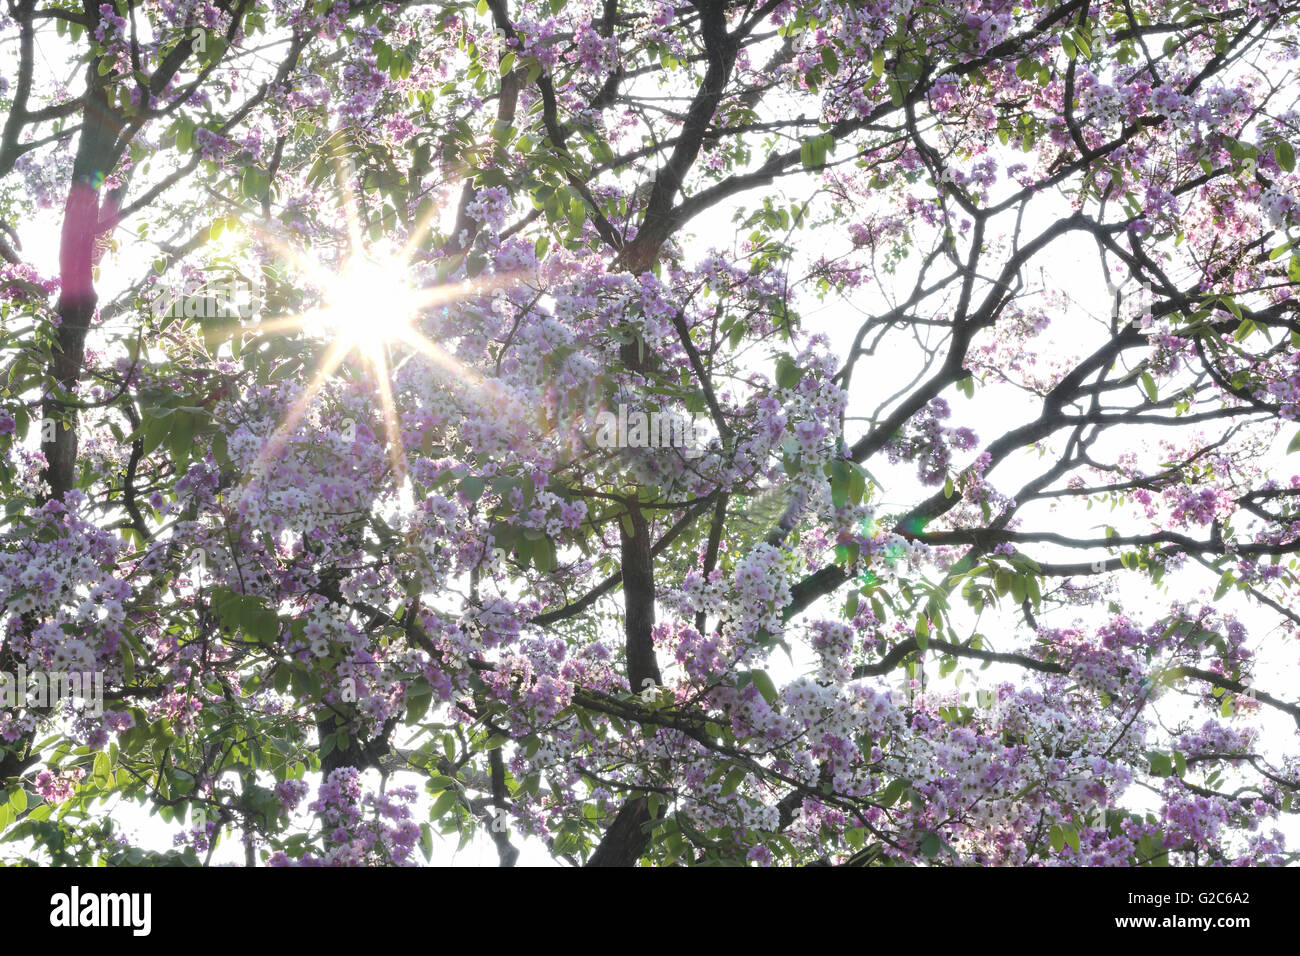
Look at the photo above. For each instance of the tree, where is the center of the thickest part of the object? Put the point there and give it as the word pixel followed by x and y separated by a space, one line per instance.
pixel 451 436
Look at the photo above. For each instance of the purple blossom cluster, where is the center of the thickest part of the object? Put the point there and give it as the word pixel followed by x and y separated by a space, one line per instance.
pixel 930 443
pixel 360 827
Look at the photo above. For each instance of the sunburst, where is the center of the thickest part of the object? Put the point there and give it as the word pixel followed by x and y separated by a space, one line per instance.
pixel 369 306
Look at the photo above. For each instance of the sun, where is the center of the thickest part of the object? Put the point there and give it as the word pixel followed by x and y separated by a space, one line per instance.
pixel 370 304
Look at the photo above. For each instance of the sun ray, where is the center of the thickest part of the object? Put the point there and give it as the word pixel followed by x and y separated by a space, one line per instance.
pixel 442 358
pixel 423 227
pixel 393 425
pixel 343 176
pixel 280 325
pixel 332 359
pixel 367 304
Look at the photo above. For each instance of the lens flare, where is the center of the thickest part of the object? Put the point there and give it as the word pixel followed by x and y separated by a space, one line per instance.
pixel 369 304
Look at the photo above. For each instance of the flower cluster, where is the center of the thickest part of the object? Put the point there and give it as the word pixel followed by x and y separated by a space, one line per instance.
pixel 930 443
pixel 360 828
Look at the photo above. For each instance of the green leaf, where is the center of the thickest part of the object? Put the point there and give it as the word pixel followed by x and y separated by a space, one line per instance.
pixel 1071 836
pixel 426 841
pixel 253 183
pixel 1295 444
pixel 737 333
pixel 1149 386
pixel 892 792
pixel 733 780
pixel 1081 42
pixel 417 705
pixel 444 803
pixel 765 686
pixel 1284 155
pixel 1057 838
pixel 544 555
pixel 128 661
pixel 472 487
pixel 1001 581
pixel 840 483
pixel 787 373
pixel 857 484
pixel 931 844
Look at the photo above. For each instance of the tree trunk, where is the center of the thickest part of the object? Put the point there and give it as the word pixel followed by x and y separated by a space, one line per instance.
pixel 77 298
